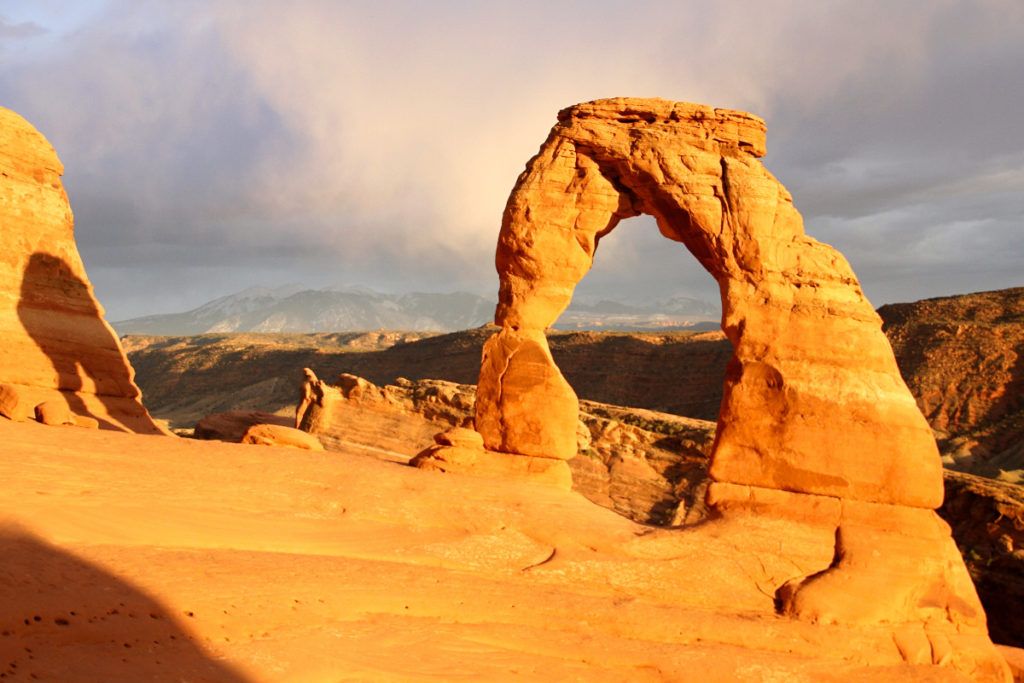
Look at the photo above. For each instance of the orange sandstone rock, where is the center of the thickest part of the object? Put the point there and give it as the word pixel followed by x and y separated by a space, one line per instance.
pixel 816 425
pixel 233 424
pixel 9 402
pixel 57 346
pixel 53 413
pixel 460 436
pixel 481 462
pixel 814 402
pixel 524 405
pixel 279 435
pixel 85 421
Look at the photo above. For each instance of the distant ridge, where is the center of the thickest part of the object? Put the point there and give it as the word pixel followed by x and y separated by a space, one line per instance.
pixel 333 309
pixel 293 308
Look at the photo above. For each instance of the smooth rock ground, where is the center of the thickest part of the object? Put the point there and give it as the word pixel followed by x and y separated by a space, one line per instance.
pixel 135 557
pixel 652 468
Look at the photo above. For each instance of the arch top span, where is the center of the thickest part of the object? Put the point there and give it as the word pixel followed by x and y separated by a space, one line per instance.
pixel 689 166
pixel 698 121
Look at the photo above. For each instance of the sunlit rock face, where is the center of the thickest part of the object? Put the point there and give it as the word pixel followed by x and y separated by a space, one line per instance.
pixel 813 403
pixel 56 344
pixel 816 424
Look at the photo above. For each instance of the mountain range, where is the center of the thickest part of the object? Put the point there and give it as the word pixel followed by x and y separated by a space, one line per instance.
pixel 345 309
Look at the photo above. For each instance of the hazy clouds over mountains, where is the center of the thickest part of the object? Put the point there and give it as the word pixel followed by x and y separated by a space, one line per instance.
pixel 343 309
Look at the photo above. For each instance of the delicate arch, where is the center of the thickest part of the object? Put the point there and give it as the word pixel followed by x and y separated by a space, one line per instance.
pixel 816 424
pixel 813 400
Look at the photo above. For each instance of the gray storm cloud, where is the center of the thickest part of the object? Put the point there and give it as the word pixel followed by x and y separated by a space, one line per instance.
pixel 211 146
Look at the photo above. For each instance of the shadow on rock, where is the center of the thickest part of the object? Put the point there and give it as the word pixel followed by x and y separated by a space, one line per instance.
pixel 49 288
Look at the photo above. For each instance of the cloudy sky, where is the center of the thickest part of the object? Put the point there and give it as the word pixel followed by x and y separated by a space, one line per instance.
pixel 214 145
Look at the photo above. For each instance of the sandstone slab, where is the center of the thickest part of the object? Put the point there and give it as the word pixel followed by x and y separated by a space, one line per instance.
pixel 495 464
pixel 278 435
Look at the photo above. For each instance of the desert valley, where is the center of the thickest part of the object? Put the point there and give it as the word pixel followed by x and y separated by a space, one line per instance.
pixel 752 504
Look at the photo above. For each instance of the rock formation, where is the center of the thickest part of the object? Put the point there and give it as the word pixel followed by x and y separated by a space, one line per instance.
pixel 963 359
pixel 816 424
pixel 650 467
pixel 56 344
pixel 987 518
pixel 232 425
pixel 279 435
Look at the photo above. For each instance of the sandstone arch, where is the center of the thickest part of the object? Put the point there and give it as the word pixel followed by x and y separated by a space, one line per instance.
pixel 816 423
pixel 813 400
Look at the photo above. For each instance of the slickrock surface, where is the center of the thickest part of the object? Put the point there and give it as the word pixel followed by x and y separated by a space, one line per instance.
pixel 56 344
pixel 963 357
pixel 652 468
pixel 348 568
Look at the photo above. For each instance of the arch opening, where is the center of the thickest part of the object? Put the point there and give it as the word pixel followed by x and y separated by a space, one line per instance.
pixel 639 282
pixel 661 352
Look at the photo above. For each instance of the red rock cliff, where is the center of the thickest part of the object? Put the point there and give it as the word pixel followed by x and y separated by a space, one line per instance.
pixel 57 346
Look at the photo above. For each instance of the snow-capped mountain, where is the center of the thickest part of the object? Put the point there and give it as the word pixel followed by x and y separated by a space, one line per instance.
pixel 294 308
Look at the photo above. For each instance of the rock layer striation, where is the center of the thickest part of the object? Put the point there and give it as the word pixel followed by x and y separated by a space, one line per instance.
pixel 57 346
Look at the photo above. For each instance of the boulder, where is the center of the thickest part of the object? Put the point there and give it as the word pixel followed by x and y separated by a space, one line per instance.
pixel 9 402
pixel 233 424
pixel 459 436
pixel 85 421
pixel 279 435
pixel 54 413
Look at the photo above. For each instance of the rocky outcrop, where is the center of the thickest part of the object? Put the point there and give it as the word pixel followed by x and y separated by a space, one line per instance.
pixel 645 465
pixel 399 420
pixel 963 358
pixel 815 425
pixel 186 379
pixel 987 518
pixel 56 344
